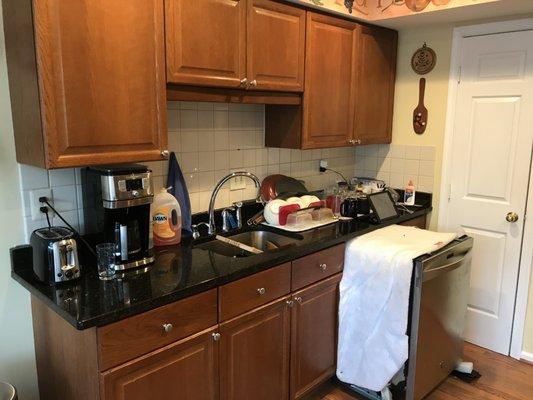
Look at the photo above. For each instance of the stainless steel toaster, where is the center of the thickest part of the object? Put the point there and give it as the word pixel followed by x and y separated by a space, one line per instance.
pixel 55 255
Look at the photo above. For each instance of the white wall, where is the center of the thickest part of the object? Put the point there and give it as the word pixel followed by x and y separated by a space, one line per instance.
pixel 17 359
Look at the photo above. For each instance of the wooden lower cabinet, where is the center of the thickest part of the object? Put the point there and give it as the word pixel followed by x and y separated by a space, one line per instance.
pixel 313 335
pixel 185 370
pixel 254 354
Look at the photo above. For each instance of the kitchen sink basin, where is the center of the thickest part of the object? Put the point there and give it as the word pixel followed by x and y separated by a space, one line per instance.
pixel 261 239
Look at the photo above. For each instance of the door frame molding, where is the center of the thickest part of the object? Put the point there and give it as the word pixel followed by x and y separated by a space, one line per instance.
pixel 526 256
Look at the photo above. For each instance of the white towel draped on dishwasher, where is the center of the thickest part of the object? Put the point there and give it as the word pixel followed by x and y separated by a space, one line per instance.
pixel 374 302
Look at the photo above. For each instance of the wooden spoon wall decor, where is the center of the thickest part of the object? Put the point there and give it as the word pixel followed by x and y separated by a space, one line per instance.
pixel 420 114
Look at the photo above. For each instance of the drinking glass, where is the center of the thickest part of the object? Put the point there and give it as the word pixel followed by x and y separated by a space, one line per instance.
pixel 106 260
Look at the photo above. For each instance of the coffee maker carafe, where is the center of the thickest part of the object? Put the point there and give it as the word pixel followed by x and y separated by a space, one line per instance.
pixel 117 202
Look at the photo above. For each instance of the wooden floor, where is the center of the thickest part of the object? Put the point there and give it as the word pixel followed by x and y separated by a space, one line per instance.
pixel 503 378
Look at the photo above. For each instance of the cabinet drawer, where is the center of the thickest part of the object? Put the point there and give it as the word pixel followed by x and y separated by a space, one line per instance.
pixel 419 222
pixel 317 266
pixel 245 294
pixel 140 334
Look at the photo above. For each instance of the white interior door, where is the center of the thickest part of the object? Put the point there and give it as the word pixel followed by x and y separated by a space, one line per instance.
pixel 490 168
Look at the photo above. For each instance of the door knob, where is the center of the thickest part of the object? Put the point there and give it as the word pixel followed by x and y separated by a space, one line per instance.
pixel 511 217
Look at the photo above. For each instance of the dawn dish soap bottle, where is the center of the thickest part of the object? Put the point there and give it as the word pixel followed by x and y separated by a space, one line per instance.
pixel 166 219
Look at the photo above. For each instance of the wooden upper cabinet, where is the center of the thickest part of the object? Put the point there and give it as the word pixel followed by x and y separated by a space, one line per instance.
pixel 330 76
pixel 375 85
pixel 313 335
pixel 254 354
pixel 97 94
pixel 275 46
pixel 206 42
pixel 187 369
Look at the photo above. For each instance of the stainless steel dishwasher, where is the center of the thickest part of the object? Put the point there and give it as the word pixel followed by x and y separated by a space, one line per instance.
pixel 439 301
pixel 437 313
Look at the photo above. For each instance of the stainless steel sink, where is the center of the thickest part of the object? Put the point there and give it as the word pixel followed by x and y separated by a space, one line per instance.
pixel 260 239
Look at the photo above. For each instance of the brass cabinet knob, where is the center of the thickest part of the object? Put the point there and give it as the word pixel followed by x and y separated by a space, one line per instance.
pixel 299 300
pixel 290 303
pixel 324 266
pixel 358 141
pixel 244 81
pixel 167 328
pixel 511 216
pixel 351 141
pixel 165 153
pixel 216 336
pixel 253 83
pixel 261 291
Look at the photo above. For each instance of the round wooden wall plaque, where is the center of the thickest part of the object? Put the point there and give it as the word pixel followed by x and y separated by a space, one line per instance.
pixel 424 60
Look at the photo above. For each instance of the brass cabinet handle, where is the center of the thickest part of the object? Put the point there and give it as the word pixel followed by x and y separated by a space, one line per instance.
pixel 511 216
pixel 167 328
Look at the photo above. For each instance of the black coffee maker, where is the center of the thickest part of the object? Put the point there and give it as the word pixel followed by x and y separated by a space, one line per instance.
pixel 116 201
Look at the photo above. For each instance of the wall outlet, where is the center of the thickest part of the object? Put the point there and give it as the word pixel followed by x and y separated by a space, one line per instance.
pixel 35 205
pixel 323 166
pixel 237 183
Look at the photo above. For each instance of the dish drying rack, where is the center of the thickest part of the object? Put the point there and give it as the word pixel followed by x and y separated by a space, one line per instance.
pixel 292 218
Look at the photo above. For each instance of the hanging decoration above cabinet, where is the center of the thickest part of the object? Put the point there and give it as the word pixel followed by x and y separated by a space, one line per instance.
pixel 424 60
pixel 420 114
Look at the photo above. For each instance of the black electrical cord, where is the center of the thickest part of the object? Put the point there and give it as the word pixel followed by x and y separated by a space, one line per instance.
pixel 44 200
pixel 44 210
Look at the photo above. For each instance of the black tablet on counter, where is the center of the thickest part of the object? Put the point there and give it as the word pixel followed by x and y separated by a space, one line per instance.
pixel 382 206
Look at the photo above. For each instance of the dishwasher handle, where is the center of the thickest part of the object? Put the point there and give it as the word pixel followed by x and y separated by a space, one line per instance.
pixel 458 260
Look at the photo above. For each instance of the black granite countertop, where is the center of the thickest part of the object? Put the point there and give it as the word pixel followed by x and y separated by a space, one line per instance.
pixel 178 272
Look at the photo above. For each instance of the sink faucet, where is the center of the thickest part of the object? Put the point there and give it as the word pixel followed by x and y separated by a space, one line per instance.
pixel 212 228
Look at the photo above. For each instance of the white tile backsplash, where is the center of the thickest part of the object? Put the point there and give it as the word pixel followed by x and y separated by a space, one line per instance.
pixel 33 177
pixel 397 164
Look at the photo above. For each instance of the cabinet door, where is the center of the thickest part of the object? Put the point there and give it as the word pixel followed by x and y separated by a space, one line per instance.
pixel 206 42
pixel 330 69
pixel 185 370
pixel 101 70
pixel 313 335
pixel 254 354
pixel 375 85
pixel 275 46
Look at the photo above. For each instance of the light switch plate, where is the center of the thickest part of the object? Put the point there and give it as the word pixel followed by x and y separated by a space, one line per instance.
pixel 35 205
pixel 237 183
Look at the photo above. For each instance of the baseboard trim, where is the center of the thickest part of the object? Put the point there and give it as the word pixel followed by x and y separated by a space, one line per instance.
pixel 527 357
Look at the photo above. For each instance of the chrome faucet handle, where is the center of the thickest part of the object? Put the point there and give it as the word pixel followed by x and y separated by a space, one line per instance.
pixel 196 232
pixel 225 218
pixel 238 213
